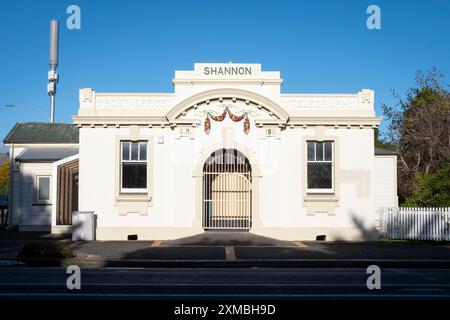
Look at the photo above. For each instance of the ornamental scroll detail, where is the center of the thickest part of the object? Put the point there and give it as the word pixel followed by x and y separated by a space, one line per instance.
pixel 222 116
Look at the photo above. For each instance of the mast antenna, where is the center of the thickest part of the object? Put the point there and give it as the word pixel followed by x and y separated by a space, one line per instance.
pixel 53 77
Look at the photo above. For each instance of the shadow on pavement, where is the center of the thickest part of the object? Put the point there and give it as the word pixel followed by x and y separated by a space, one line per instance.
pixel 220 238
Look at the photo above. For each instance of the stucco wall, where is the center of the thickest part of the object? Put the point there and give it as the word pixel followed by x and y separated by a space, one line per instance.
pixel 385 181
pixel 279 167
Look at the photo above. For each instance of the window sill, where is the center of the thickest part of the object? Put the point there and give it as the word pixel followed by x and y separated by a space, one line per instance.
pixel 320 191
pixel 133 191
pixel 133 197
pixel 41 204
pixel 317 197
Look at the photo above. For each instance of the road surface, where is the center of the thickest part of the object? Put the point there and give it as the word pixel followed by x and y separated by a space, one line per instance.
pixel 217 283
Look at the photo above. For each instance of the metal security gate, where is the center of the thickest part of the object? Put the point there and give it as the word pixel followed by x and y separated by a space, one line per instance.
pixel 227 191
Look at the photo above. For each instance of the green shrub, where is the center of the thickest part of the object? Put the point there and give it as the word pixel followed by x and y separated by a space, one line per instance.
pixel 4 179
pixel 432 190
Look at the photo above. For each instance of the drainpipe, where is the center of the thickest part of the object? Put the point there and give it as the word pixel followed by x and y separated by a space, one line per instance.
pixel 10 193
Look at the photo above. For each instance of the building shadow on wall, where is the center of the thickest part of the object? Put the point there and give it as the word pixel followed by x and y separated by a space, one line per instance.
pixel 365 233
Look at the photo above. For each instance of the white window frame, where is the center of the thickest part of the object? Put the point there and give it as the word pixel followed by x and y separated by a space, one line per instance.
pixel 133 190
pixel 37 184
pixel 318 190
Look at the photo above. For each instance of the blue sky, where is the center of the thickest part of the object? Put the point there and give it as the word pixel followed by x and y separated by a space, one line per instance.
pixel 319 46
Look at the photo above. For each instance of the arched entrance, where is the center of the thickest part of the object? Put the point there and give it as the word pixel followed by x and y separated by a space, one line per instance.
pixel 227 191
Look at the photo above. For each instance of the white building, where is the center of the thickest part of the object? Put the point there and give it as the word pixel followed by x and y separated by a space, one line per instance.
pixel 225 151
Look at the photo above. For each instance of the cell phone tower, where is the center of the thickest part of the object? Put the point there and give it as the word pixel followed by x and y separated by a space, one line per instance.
pixel 53 77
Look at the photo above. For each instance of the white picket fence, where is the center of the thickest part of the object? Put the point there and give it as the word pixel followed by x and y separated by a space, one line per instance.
pixel 415 223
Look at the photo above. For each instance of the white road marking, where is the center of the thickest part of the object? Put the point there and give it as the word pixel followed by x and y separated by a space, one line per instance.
pixel 230 254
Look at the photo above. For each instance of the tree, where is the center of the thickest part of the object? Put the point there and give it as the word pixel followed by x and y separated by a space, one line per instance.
pixel 379 142
pixel 419 130
pixel 432 190
pixel 4 179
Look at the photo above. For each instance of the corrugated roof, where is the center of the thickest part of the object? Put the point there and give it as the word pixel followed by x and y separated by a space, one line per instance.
pixel 42 132
pixel 49 154
pixel 384 152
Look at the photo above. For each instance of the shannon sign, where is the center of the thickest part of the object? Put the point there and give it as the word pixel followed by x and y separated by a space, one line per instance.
pixel 228 70
pixel 231 70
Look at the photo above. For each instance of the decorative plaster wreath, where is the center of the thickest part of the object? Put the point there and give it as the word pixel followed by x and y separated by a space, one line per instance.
pixel 221 117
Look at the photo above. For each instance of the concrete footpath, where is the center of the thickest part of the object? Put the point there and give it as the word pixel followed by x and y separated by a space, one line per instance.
pixel 233 249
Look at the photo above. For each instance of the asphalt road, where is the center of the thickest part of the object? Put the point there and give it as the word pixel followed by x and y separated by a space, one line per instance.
pixel 215 283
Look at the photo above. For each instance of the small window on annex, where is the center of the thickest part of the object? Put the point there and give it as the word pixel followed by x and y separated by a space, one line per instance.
pixel 43 189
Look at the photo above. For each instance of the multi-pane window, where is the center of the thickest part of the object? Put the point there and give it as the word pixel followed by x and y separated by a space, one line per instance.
pixel 320 166
pixel 134 166
pixel 43 189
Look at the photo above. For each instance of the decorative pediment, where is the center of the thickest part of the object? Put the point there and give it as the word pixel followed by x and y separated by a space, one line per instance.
pixel 217 107
pixel 236 101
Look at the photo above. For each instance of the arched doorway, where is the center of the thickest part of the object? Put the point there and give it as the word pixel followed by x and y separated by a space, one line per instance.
pixel 227 191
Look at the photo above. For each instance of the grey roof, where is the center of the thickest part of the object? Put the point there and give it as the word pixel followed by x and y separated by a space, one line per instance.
pixel 42 132
pixel 384 152
pixel 46 154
